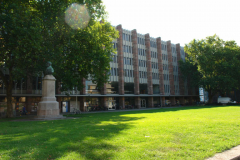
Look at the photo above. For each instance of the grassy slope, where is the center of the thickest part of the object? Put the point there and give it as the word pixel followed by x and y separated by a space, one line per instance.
pixel 177 133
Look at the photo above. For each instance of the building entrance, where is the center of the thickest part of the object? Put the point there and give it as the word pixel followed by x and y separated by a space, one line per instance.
pixel 65 107
pixel 143 103
pixel 111 104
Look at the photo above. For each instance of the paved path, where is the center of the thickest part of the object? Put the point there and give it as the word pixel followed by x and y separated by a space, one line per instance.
pixel 232 154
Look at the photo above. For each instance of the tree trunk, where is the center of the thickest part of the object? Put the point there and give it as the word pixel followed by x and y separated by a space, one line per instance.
pixel 9 100
pixel 210 99
pixel 211 93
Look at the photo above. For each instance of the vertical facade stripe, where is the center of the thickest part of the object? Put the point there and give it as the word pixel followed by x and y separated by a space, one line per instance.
pixel 120 61
pixel 135 62
pixel 160 66
pixel 170 65
pixel 149 65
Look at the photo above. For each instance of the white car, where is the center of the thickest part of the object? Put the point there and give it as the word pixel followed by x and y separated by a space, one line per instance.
pixel 225 100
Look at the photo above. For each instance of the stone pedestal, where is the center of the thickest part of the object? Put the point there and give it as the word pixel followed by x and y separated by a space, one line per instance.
pixel 48 107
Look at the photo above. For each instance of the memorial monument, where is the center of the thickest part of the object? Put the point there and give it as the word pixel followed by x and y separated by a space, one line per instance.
pixel 48 106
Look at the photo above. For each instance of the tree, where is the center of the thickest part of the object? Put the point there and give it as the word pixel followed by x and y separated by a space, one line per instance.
pixel 212 64
pixel 34 32
pixel 20 44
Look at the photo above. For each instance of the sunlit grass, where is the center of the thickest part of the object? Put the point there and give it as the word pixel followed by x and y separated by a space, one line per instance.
pixel 177 133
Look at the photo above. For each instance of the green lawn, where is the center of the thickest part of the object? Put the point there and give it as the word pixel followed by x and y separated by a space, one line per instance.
pixel 173 133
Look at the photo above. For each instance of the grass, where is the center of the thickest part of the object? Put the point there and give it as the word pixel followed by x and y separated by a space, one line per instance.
pixel 173 133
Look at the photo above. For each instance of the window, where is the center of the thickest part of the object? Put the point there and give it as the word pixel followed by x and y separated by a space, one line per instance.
pixel 112 71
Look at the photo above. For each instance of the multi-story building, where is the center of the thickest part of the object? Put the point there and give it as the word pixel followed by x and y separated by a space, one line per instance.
pixel 144 73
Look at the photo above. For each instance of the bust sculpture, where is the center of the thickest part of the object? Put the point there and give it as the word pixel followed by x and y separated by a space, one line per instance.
pixel 49 70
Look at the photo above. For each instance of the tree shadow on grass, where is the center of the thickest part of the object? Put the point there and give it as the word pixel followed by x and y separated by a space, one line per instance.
pixel 87 137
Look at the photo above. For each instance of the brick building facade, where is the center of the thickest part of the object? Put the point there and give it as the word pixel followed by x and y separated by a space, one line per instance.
pixel 144 73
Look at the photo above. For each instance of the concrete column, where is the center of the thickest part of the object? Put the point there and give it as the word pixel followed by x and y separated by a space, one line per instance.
pixel 120 61
pixel 170 67
pixel 173 101
pixel 150 102
pixel 103 102
pixel 163 101
pixel 28 103
pixel 181 81
pixel 182 101
pixel 149 65
pixel 135 62
pixel 160 66
pixel 121 103
pixel 137 102
pixel 82 100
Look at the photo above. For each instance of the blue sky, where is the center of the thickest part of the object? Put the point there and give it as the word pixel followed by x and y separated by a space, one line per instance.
pixel 178 20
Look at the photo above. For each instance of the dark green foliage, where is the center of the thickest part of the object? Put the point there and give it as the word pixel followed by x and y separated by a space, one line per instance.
pixel 213 64
pixel 34 32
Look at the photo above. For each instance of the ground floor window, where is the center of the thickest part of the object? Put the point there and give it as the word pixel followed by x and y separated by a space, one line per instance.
pixel 111 103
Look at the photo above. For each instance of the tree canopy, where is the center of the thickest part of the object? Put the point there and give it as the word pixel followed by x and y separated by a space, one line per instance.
pixel 34 32
pixel 213 64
